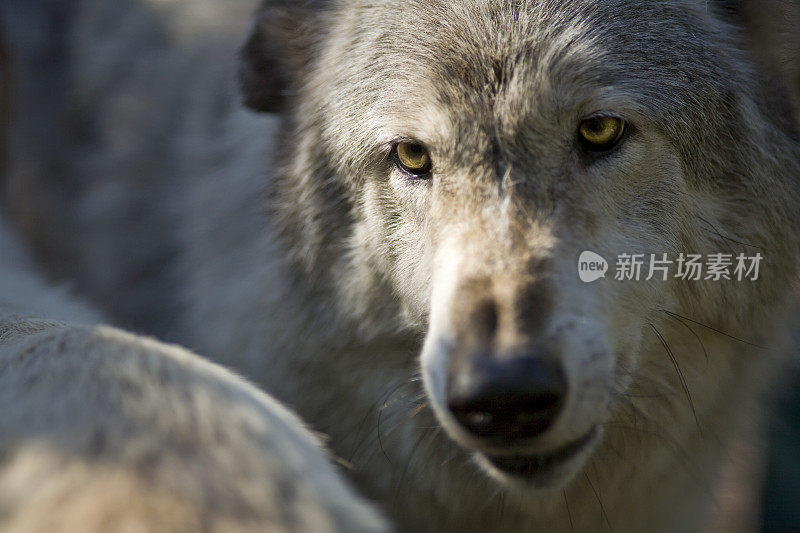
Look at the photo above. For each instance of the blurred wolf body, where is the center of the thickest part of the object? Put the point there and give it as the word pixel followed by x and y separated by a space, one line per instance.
pixel 102 430
pixel 303 248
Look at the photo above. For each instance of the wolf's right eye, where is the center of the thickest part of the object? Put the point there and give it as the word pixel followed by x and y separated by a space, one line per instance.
pixel 413 158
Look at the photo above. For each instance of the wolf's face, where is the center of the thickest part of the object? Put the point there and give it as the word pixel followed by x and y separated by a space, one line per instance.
pixel 479 148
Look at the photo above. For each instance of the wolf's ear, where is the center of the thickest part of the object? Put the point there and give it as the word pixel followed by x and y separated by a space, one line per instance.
pixel 772 33
pixel 280 44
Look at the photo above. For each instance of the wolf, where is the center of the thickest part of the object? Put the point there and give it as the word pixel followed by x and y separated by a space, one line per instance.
pixel 102 430
pixel 388 239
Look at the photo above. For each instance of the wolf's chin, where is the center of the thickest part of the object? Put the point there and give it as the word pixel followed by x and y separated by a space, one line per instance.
pixel 543 471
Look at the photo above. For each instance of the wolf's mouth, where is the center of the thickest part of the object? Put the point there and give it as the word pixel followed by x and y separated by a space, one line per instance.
pixel 533 467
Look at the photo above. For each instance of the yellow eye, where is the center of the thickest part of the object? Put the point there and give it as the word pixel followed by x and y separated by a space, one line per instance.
pixel 414 158
pixel 601 133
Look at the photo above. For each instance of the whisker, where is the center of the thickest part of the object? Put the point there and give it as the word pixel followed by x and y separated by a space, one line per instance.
pixel 599 489
pixel 599 500
pixel 671 313
pixel 693 332
pixel 379 406
pixel 569 512
pixel 412 402
pixel 681 377
pixel 380 439
pixel 638 381
pixel 370 412
pixel 409 415
pixel 716 230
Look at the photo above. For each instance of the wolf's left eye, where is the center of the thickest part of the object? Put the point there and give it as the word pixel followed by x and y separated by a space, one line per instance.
pixel 413 158
pixel 601 133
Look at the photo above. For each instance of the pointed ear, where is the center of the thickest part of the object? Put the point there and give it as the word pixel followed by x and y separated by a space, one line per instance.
pixel 280 45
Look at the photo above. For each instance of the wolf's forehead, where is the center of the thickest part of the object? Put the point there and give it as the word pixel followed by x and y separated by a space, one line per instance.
pixel 516 75
pixel 478 55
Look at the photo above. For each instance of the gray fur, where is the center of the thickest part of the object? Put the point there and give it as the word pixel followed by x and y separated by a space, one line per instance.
pixel 292 250
pixel 104 431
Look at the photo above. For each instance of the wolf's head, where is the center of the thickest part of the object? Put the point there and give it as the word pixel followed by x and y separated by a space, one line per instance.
pixel 449 162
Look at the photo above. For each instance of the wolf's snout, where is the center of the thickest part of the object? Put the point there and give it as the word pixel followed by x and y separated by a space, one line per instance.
pixel 506 400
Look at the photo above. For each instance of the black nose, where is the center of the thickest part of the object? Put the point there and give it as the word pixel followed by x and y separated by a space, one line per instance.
pixel 506 399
